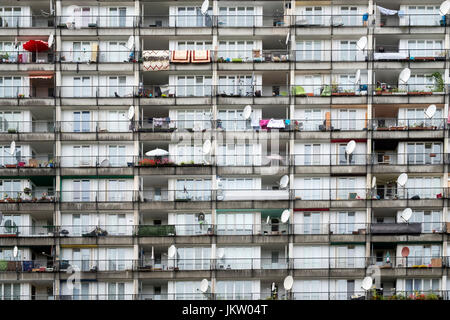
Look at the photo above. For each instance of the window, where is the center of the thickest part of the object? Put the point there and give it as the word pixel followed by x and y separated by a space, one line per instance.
pixel 196 258
pixel 313 119
pixel 11 17
pixel 81 190
pixel 83 17
pixel 425 48
pixel 118 17
pixel 424 15
pixel 82 87
pixel 234 290
pixel 192 224
pixel 236 49
pixel 188 290
pixel 347 50
pixel 81 51
pixel 10 291
pixel 193 189
pixel 431 220
pixel 116 291
pixel 311 223
pixel 117 52
pixel 187 153
pixel 424 187
pixel 10 188
pixel 346 222
pixel 117 155
pixel 235 155
pixel 309 50
pixel 312 189
pixel 421 285
pixel 312 154
pixel 346 186
pixel 313 15
pixel 421 82
pixel 236 85
pixel 81 121
pixel 11 120
pixel 80 224
pixel 117 86
pixel 193 86
pixel 192 17
pixel 237 16
pixel 194 45
pixel 117 191
pixel 7 158
pixel 347 119
pixel 10 224
pixel 346 83
pixel 415 117
pixel 81 259
pixel 233 120
pixel 344 158
pixel 116 259
pixel 422 254
pixel 81 156
pixel 234 223
pixel 424 153
pixel 11 87
pixel 189 119
pixel 350 16
pixel 116 224
pixel 117 121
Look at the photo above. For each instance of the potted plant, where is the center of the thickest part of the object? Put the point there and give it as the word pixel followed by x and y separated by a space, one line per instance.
pixel 27 191
pixel 439 82
pixel 12 130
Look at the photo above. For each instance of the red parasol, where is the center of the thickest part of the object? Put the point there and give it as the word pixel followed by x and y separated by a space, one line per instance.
pixel 36 46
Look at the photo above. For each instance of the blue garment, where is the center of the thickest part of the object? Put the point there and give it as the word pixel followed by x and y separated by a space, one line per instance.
pixel 365 16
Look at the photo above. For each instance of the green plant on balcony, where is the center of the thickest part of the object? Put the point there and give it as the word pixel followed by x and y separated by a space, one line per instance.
pixel 439 82
pixel 27 191
pixel 12 130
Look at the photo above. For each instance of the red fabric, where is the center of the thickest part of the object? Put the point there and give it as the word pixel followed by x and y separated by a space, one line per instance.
pixel 36 46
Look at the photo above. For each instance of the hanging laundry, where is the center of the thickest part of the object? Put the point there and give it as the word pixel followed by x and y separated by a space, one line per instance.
pixel 180 56
pixel 387 12
pixel 276 123
pixel 156 60
pixel 201 56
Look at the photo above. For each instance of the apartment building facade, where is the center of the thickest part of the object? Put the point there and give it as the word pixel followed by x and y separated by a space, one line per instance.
pixel 149 145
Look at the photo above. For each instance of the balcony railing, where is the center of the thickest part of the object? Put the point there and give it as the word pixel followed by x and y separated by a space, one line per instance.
pixel 34 126
pixel 26 57
pixel 111 195
pixel 102 161
pixel 26 21
pixel 26 162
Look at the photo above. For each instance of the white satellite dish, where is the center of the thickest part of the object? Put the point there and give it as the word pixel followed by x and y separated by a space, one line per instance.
pixel 220 253
pixel 374 182
pixel 130 43
pixel 367 283
pixel 406 214
pixel 362 43
pixel 404 75
pixel 204 285
pixel 351 145
pixel 172 251
pixel 402 179
pixel 273 286
pixel 50 40
pixel 12 148
pixel 288 283
pixel 268 220
pixel 444 8
pixel 285 216
pixel 15 252
pixel 284 181
pixel 431 110
pixel 247 112
pixel 357 76
pixel 287 37
pixel 130 113
pixel 206 149
pixel 205 6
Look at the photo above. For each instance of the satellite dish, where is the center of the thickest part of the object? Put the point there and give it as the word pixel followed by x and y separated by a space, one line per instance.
pixel 362 43
pixel 50 40
pixel 351 145
pixel 205 6
pixel 206 149
pixel 367 283
pixel 12 148
pixel 357 76
pixel 285 216
pixel 130 113
pixel 130 43
pixel 405 252
pixel 406 214
pixel 431 110
pixel 273 286
pixel 402 179
pixel 288 283
pixel 15 252
pixel 247 112
pixel 204 285
pixel 404 75
pixel 172 251
pixel 284 181
pixel 374 182
pixel 444 8
pixel 287 37
pixel 220 253
pixel 268 220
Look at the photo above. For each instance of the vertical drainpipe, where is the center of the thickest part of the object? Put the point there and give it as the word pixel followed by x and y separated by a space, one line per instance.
pixel 370 40
pixel 136 66
pixel 446 149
